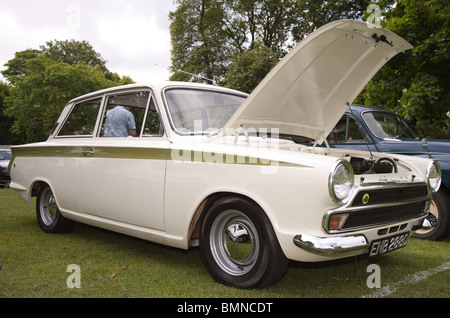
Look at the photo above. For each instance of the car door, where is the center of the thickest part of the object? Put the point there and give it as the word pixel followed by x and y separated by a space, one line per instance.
pixel 64 152
pixel 122 178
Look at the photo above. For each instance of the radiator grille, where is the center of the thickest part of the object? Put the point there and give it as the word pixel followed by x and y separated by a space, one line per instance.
pixel 384 215
pixel 381 196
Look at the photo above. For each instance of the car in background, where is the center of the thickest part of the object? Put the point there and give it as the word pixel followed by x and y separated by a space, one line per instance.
pixel 379 130
pixel 5 156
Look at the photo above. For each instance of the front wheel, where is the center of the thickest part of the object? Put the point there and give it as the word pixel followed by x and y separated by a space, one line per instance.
pixel 440 208
pixel 49 217
pixel 238 245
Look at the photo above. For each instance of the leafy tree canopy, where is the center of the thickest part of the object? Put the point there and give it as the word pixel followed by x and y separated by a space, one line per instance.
pixel 209 36
pixel 6 122
pixel 249 67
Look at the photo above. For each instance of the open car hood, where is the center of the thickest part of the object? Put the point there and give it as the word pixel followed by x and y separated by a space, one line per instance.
pixel 308 91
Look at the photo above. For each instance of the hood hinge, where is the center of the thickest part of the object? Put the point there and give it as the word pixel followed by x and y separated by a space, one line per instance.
pixel 238 130
pixel 320 140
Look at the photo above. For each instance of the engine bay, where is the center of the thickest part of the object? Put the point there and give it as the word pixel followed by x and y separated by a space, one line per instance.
pixel 372 166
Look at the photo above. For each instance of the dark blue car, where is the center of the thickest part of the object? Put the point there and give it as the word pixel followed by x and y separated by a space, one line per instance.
pixel 380 130
pixel 5 156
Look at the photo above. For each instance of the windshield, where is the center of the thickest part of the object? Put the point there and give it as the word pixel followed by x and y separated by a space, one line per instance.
pixel 387 126
pixel 195 111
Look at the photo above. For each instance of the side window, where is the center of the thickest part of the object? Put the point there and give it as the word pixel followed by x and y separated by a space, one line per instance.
pixel 124 114
pixel 346 131
pixel 82 119
pixel 337 135
pixel 354 131
pixel 153 125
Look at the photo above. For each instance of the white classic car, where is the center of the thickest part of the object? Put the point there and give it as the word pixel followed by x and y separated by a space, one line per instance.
pixel 233 174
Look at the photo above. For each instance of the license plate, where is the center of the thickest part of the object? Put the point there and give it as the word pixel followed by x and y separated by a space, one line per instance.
pixel 388 244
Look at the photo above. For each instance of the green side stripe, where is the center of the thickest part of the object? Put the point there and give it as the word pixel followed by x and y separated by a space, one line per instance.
pixel 143 153
pixel 95 152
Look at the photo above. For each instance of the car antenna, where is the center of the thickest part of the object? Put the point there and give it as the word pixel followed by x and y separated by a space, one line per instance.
pixel 198 76
pixel 365 139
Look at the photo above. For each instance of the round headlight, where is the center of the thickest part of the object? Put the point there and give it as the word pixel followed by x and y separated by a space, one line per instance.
pixel 434 176
pixel 341 181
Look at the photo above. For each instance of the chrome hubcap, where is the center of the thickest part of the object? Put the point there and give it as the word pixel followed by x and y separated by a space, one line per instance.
pixel 234 242
pixel 48 208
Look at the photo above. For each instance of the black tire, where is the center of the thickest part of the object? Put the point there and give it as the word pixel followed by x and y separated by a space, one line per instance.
pixel 49 217
pixel 440 208
pixel 253 263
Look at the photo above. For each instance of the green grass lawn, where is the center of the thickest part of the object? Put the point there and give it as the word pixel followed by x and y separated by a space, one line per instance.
pixel 34 264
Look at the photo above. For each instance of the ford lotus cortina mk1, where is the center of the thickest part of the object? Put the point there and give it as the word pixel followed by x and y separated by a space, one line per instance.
pixel 188 165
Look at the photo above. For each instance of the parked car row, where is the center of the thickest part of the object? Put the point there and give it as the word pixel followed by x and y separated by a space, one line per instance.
pixel 5 156
pixel 186 165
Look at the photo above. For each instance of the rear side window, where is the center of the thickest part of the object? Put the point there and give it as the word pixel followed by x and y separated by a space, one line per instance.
pixel 82 119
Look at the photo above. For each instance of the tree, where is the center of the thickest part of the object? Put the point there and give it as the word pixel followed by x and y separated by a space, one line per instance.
pixel 312 14
pixel 6 122
pixel 416 84
pixel 250 67
pixel 73 53
pixel 17 67
pixel 258 21
pixel 44 80
pixel 198 44
pixel 209 36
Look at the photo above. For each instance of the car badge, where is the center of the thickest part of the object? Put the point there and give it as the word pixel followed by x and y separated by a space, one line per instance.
pixel 365 199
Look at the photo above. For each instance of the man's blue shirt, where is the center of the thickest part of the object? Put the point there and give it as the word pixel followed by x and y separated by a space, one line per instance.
pixel 118 123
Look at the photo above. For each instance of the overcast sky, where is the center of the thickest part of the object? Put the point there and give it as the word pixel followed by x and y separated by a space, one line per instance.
pixel 131 35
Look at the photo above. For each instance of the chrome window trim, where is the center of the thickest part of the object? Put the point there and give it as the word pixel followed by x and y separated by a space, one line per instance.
pixel 167 109
pixel 102 109
pixel 74 104
pixel 386 112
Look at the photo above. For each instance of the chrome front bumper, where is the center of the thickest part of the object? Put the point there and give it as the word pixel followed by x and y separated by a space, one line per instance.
pixel 329 246
pixel 338 245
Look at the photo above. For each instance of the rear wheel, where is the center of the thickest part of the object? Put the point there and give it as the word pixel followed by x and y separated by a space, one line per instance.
pixel 238 245
pixel 49 217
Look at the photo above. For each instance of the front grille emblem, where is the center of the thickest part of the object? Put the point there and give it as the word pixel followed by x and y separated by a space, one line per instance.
pixel 365 199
